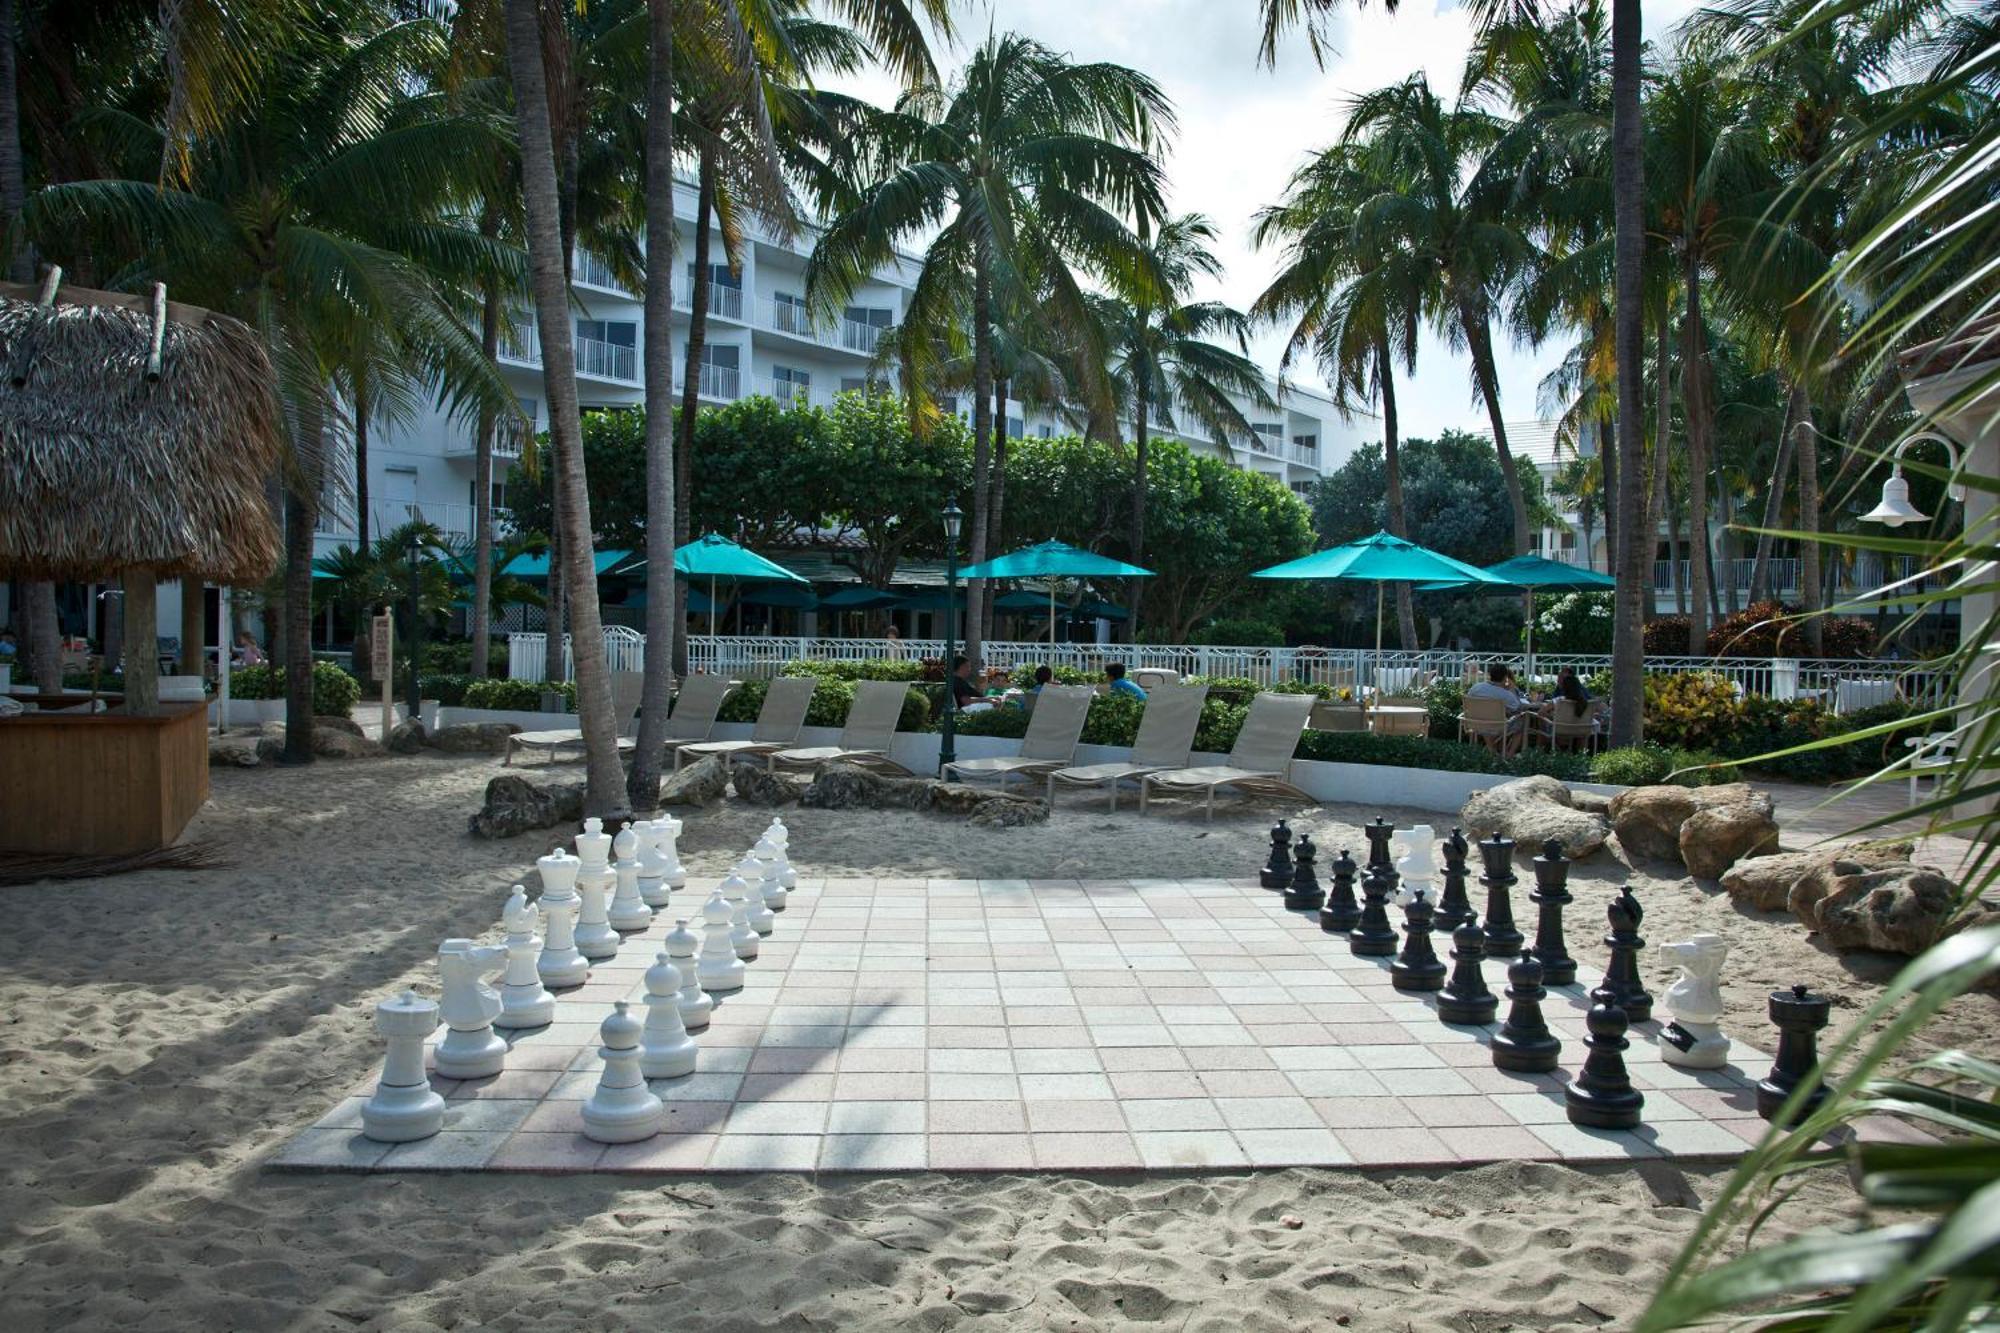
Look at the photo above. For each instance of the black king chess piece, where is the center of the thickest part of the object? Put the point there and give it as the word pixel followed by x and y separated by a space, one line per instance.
pixel 1601 1096
pixel 1621 984
pixel 1465 998
pixel 1453 910
pixel 1502 939
pixel 1378 833
pixel 1305 894
pixel 1372 935
pixel 1551 895
pixel 1524 1044
pixel 1417 967
pixel 1341 911
pixel 1277 871
pixel 1799 1015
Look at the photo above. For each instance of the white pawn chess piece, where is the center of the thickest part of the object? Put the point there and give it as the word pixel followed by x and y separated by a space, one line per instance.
pixel 594 935
pixel 1417 866
pixel 770 861
pixel 695 1005
pixel 666 1051
pixel 628 910
pixel 777 834
pixel 1692 1040
pixel 742 935
pixel 524 1001
pixel 622 1109
pixel 404 1106
pixel 561 965
pixel 719 970
pixel 471 1048
pixel 652 864
pixel 756 911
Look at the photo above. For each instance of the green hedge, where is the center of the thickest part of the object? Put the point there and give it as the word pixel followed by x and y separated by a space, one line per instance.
pixel 1647 764
pixel 448 688
pixel 884 669
pixel 334 691
pixel 516 696
pixel 453 657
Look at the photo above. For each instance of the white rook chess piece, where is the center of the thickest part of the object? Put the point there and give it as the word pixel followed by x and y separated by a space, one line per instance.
pixel 622 1110
pixel 1418 863
pixel 561 965
pixel 742 935
pixel 594 935
pixel 471 1048
pixel 719 969
pixel 1692 1040
pixel 628 910
pixel 652 864
pixel 666 1051
pixel 524 1002
pixel 770 860
pixel 757 911
pixel 695 1006
pixel 404 1106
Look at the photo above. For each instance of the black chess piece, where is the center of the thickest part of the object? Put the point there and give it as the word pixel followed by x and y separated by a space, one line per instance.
pixel 1305 894
pixel 1502 939
pixel 1524 1044
pixel 1378 833
pixel 1277 871
pixel 1465 998
pixel 1373 936
pixel 1453 909
pixel 1551 895
pixel 1621 984
pixel 1601 1096
pixel 1417 967
pixel 1799 1015
pixel 1341 911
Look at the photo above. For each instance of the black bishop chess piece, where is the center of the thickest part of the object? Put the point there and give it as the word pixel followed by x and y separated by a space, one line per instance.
pixel 1601 1096
pixel 1372 935
pixel 1453 909
pixel 1497 854
pixel 1277 871
pixel 1621 984
pixel 1465 998
pixel 1341 912
pixel 1417 967
pixel 1378 833
pixel 1524 1044
pixel 1799 1015
pixel 1305 894
pixel 1550 897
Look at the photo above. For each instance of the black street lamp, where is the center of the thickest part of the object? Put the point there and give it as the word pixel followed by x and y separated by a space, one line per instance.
pixel 947 750
pixel 416 636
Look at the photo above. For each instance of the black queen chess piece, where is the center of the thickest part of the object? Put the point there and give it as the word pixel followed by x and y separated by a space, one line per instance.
pixel 1417 967
pixel 1372 935
pixel 1799 1015
pixel 1524 1044
pixel 1621 984
pixel 1453 909
pixel 1465 998
pixel 1551 895
pixel 1305 894
pixel 1277 871
pixel 1497 855
pixel 1601 1096
pixel 1341 911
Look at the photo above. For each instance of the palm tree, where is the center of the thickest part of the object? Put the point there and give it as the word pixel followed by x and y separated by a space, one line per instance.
pixel 1580 480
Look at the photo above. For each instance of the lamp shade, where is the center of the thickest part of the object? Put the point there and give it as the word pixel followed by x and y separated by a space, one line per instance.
pixel 1895 509
pixel 952 519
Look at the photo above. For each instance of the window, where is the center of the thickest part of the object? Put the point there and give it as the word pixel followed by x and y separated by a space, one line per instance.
pixel 1016 428
pixel 1270 435
pixel 725 293
pixel 1045 432
pixel 853 384
pixel 617 332
pixel 718 274
pixel 791 386
pixel 788 314
pixel 607 348
pixel 720 354
pixel 877 317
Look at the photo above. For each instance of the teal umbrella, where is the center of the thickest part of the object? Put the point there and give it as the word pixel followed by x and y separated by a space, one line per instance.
pixel 859 598
pixel 1381 560
pixel 1053 560
pixel 712 556
pixel 535 565
pixel 1540 574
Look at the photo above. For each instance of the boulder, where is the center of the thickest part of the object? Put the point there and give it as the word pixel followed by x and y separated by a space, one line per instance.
pixel 1716 837
pixel 335 743
pixel 1902 909
pixel 271 748
pixel 760 786
pixel 516 805
pixel 333 723
pixel 472 738
pixel 1648 819
pixel 1591 801
pixel 700 783
pixel 1765 882
pixel 851 787
pixel 234 751
pixel 1531 811
pixel 406 738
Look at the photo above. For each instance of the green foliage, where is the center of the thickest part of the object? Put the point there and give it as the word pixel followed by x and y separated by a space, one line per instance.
pixel 1234 630
pixel 1573 622
pixel 1113 720
pixel 519 696
pixel 1770 629
pixel 1008 722
pixel 1024 676
pixel 1445 698
pixel 835 694
pixel 448 688
pixel 1361 747
pixel 1666 636
pixel 1648 764
pixel 878 669
pixel 454 656
pixel 1694 709
pixel 334 691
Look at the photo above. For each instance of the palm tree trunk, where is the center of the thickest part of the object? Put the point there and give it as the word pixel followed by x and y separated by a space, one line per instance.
pixel 302 491
pixel 1634 596
pixel 1607 506
pixel 604 789
pixel 1725 541
pixel 643 786
pixel 1141 422
pixel 1676 566
pixel 555 599
pixel 1700 424
pixel 1392 463
pixel 1805 447
pixel 1479 339
pixel 482 474
pixel 1774 499
pixel 1663 431
pixel 699 294
pixel 982 441
pixel 996 500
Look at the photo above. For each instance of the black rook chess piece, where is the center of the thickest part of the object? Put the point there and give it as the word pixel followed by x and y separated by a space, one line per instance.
pixel 1341 911
pixel 1378 834
pixel 1551 895
pixel 1524 1044
pixel 1453 910
pixel 1305 894
pixel 1373 936
pixel 1621 984
pixel 1417 967
pixel 1465 998
pixel 1601 1096
pixel 1502 939
pixel 1277 871
pixel 1799 1015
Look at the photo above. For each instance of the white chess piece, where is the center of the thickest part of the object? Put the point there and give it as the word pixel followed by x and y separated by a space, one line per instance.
pixel 594 935
pixel 621 1110
pixel 695 1005
pixel 404 1107
pixel 756 911
pixel 524 1001
pixel 742 935
pixel 471 1048
pixel 666 1050
pixel 1417 865
pixel 561 965
pixel 669 832
pixel 719 969
pixel 770 860
pixel 652 864
pixel 777 834
pixel 1692 1040
pixel 628 910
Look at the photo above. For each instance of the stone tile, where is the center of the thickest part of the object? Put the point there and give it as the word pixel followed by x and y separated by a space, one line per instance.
pixel 1532 1108
pixel 1142 1059
pixel 1055 1117
pixel 336 1148
pixel 486 1117
pixel 526 1151
pixel 854 1061
pixel 1058 1060
pixel 776 1118
pixel 977 1118
pixel 1394 1144
pixel 699 1087
pixel 981 1152
pixel 1055 1152
pixel 788 1060
pixel 1245 1083
pixel 1062 1037
pixel 1574 1143
pixel 1492 1143
pixel 450 1150
pixel 970 1060
pixel 555 1118
pixel 872 1152
pixel 866 1087
pixel 974 1087
pixel 944 1038
pixel 765 1152
pixel 875 1118
pixel 1459 1112
pixel 662 1152
pixel 1295 1058
pixel 1267 1113
pixel 1691 1138
pixel 1229 1057
pixel 1337 1083
pixel 693 1117
pixel 1065 1087
pixel 509 1084
pixel 1359 1112
pixel 1425 1082
pixel 1197 1148
pixel 1173 1114
pixel 786 1088
pixel 825 1037
pixel 1292 1147
pixel 1157 1083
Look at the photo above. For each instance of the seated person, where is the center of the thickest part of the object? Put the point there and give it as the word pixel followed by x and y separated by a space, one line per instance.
pixel 1043 675
pixel 1570 687
pixel 966 697
pixel 1499 684
pixel 1119 685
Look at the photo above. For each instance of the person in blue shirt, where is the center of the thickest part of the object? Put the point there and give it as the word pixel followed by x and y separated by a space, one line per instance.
pixel 1120 685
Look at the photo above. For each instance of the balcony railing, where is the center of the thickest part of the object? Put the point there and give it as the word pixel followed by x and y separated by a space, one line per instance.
pixel 1301 454
pixel 607 360
pixel 510 438
pixel 724 382
pixel 789 393
pixel 593 271
pixel 523 345
pixel 1867 573
pixel 724 301
pixel 789 317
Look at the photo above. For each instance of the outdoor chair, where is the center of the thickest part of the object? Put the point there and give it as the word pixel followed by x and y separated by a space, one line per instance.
pixel 1332 715
pixel 1488 722
pixel 1930 756
pixel 1259 763
pixel 696 705
pixel 1152 678
pixel 1571 725
pixel 626 688
pixel 865 740
pixel 1165 740
pixel 779 720
pixel 1053 730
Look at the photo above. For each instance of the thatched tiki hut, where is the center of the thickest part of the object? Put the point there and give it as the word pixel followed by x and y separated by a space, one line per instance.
pixel 136 438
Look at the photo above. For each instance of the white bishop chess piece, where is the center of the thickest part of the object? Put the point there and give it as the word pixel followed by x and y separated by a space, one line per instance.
pixel 628 910
pixel 1417 866
pixel 777 834
pixel 719 969
pixel 742 935
pixel 695 1005
pixel 756 911
pixel 594 935
pixel 1693 1040
pixel 404 1106
pixel 770 859
pixel 471 1048
pixel 561 964
pixel 524 1001
pixel 622 1109
pixel 666 1050
pixel 652 865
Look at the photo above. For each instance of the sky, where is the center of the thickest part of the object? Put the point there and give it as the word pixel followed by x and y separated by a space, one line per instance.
pixel 1245 128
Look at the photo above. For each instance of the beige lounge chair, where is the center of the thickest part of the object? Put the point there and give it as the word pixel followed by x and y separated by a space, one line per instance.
pixel 779 719
pixel 1053 730
pixel 1259 762
pixel 696 704
pixel 1166 738
pixel 626 687
pixel 870 730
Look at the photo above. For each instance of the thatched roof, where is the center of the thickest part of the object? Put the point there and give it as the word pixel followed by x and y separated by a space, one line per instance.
pixel 103 469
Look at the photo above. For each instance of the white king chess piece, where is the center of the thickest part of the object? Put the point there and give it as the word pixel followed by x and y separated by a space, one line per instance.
pixel 623 1109
pixel 666 1049
pixel 742 935
pixel 1416 863
pixel 756 911
pixel 471 1048
pixel 404 1106
pixel 594 935
pixel 628 910
pixel 652 864
pixel 1692 1040
pixel 718 970
pixel 524 1001
pixel 770 859
pixel 560 965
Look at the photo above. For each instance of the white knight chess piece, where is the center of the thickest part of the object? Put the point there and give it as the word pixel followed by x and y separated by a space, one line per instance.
pixel 1415 853
pixel 1692 1040
pixel 471 1048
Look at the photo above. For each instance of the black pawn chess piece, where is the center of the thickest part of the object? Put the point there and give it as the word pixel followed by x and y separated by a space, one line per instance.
pixel 1502 939
pixel 1341 911
pixel 1417 967
pixel 1277 871
pixel 1373 936
pixel 1465 998
pixel 1601 1096
pixel 1453 909
pixel 1305 894
pixel 1621 984
pixel 1524 1044
pixel 1799 1015
pixel 1550 897
pixel 1378 834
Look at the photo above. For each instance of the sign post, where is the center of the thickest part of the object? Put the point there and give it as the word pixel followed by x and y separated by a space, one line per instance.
pixel 383 668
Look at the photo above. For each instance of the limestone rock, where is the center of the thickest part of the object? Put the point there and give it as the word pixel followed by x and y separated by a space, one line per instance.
pixel 234 751
pixel 1717 837
pixel 1899 909
pixel 1765 882
pixel 1648 819
pixel 1591 802
pixel 1008 811
pixel 1531 810
pixel 270 748
pixel 331 722
pixel 760 786
pixel 472 738
pixel 700 783
pixel 406 738
pixel 852 787
pixel 335 743
pixel 516 805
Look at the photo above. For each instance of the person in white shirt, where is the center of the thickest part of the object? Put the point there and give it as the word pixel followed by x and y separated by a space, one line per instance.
pixel 1499 685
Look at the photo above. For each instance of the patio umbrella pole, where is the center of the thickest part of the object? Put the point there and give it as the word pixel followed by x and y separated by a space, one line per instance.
pixel 1377 666
pixel 1052 617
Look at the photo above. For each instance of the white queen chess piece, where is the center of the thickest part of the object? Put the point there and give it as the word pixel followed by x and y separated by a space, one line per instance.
pixel 1692 1040
pixel 560 965
pixel 742 935
pixel 1416 863
pixel 404 1106
pixel 653 889
pixel 695 1005
pixel 594 935
pixel 757 912
pixel 666 1050
pixel 628 910
pixel 622 1109
pixel 471 1048
pixel 719 969
pixel 770 859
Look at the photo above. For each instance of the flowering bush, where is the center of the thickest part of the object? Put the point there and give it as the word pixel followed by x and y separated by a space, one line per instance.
pixel 1573 622
pixel 1692 709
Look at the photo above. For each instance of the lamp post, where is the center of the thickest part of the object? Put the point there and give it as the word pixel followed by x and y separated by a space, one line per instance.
pixel 947 750
pixel 415 654
pixel 1895 508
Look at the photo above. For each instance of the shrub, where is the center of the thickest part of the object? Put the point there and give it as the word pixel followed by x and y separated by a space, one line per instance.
pixel 1772 629
pixel 1229 689
pixel 1220 721
pixel 1694 709
pixel 879 669
pixel 1701 768
pixel 454 657
pixel 1360 747
pixel 1237 630
pixel 1011 722
pixel 1024 676
pixel 1445 697
pixel 1573 622
pixel 1113 720
pixel 1639 765
pixel 1666 636
pixel 520 696
pixel 744 701
pixel 334 691
pixel 447 688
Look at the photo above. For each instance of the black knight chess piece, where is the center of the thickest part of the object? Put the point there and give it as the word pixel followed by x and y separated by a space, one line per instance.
pixel 1465 998
pixel 1341 911
pixel 1799 1015
pixel 1497 854
pixel 1453 909
pixel 1417 967
pixel 1550 897
pixel 1277 871
pixel 1601 1096
pixel 1621 984
pixel 1305 894
pixel 1372 935
pixel 1524 1044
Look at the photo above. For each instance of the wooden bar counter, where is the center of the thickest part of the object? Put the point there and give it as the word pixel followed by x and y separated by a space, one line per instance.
pixel 101 784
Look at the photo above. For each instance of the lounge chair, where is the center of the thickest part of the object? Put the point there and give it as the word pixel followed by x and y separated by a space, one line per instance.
pixel 870 730
pixel 779 719
pixel 696 704
pixel 1053 730
pixel 1259 763
pixel 626 687
pixel 1166 738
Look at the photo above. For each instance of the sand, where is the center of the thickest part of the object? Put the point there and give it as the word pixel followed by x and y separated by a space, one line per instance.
pixel 162 1034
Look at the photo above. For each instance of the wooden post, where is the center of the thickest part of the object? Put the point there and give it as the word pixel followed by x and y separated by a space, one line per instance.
pixel 382 666
pixel 194 627
pixel 142 643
